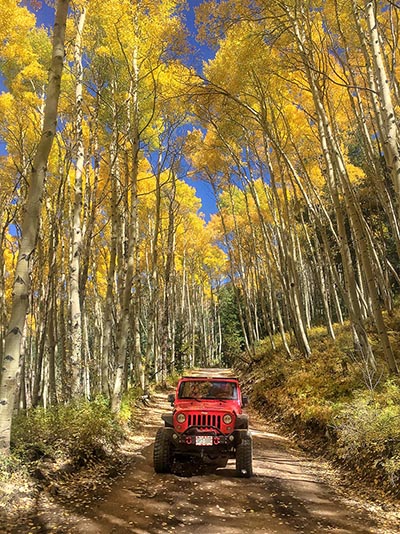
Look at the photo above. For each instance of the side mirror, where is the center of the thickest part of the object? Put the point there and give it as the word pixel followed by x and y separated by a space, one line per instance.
pixel 245 400
pixel 171 398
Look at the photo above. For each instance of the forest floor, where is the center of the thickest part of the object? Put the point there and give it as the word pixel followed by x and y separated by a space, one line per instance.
pixel 291 492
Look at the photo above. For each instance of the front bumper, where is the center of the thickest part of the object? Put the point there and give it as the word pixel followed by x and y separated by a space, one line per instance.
pixel 205 442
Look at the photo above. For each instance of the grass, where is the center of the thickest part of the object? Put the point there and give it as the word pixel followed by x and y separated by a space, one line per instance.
pixel 334 400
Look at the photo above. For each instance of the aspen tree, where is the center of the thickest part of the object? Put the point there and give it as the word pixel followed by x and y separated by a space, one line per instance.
pixel 30 226
pixel 391 137
pixel 76 244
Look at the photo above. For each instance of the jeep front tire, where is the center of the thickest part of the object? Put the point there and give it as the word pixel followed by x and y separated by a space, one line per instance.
pixel 244 457
pixel 162 456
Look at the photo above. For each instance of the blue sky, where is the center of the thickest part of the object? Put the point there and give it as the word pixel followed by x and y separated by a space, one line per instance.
pixel 201 53
pixel 45 17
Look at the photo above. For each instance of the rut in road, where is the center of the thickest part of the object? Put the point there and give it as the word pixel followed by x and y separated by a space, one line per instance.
pixel 285 496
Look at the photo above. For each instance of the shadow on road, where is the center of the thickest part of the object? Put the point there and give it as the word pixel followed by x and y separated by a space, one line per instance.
pixel 284 497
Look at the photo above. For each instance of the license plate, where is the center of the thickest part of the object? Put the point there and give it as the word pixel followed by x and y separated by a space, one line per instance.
pixel 204 440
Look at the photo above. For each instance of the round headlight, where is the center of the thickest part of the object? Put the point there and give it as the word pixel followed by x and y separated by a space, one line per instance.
pixel 227 418
pixel 181 417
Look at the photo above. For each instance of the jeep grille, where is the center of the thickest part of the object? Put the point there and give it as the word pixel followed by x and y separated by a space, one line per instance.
pixel 207 420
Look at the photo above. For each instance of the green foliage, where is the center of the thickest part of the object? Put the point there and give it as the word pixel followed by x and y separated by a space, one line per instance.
pixel 9 466
pixel 129 404
pixel 334 401
pixel 308 390
pixel 78 431
pixel 232 334
pixel 368 428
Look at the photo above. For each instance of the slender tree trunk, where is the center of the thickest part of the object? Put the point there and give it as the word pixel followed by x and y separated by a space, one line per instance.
pixel 167 322
pixel 232 272
pixel 52 346
pixel 3 307
pixel 75 262
pixel 109 315
pixel 124 326
pixel 391 133
pixel 30 228
pixel 153 283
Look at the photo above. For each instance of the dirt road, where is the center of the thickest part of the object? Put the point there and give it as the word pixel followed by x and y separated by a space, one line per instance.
pixel 285 496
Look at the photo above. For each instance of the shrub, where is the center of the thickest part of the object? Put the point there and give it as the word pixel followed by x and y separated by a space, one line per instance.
pixel 79 431
pixel 10 466
pixel 333 399
pixel 129 405
pixel 368 429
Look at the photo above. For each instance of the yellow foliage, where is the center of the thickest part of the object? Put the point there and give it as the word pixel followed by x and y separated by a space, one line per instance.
pixel 316 176
pixel 6 102
pixel 15 21
pixel 356 175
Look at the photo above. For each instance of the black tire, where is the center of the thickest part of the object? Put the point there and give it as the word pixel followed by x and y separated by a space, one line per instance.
pixel 162 456
pixel 244 457
pixel 222 462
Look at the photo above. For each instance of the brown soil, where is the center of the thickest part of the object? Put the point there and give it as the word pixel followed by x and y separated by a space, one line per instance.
pixel 289 493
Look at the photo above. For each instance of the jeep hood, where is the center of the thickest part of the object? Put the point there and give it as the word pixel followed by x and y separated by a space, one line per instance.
pixel 196 406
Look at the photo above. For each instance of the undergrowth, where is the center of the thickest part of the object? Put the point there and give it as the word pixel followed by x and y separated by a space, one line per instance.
pixel 334 401
pixel 76 433
pixel 49 445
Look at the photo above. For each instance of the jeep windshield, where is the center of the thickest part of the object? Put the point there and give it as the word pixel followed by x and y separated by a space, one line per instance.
pixel 208 389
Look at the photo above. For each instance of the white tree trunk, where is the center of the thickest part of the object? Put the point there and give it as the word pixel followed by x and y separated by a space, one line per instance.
pixel 132 242
pixel 75 298
pixel 30 229
pixel 391 133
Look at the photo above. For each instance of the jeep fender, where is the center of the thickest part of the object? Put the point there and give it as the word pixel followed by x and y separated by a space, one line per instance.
pixel 168 433
pixel 168 419
pixel 242 421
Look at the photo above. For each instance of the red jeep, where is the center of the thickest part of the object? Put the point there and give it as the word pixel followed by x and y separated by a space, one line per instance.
pixel 207 422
